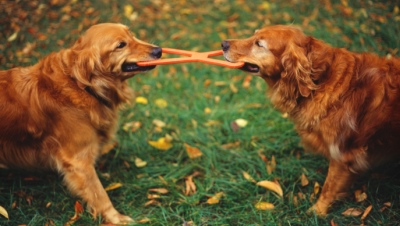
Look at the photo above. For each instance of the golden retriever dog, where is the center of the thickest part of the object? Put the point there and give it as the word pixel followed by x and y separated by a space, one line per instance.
pixel 59 113
pixel 344 105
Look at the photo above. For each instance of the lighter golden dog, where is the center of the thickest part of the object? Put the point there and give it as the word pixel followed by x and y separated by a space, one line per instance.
pixel 344 105
pixel 59 113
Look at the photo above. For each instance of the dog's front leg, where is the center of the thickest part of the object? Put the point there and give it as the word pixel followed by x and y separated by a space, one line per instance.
pixel 335 187
pixel 82 180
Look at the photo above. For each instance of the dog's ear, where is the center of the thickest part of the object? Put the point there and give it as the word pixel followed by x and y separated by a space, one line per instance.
pixel 87 60
pixel 297 66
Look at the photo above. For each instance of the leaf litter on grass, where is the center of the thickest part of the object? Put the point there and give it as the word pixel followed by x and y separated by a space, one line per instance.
pixel 227 19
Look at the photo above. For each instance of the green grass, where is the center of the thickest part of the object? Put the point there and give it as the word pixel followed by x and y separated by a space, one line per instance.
pixel 194 25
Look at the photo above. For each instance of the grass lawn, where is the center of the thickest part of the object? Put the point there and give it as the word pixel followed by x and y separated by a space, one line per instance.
pixel 199 105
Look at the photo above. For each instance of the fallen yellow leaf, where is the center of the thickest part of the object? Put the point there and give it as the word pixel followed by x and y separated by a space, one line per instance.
pixel 233 88
pixel 113 186
pixel 161 144
pixel 161 103
pixel 264 206
pixel 3 212
pixel 241 122
pixel 271 185
pixel 207 110
pixel 12 37
pixel 317 187
pixel 248 177
pixel 193 152
pixel 215 199
pixel 128 10
pixel 212 123
pixel 141 100
pixel 139 163
pixel 159 123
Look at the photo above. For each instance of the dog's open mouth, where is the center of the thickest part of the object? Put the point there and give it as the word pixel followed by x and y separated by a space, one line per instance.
pixel 253 68
pixel 133 67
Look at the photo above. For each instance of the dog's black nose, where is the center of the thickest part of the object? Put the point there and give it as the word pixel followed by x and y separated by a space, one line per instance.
pixel 225 45
pixel 156 52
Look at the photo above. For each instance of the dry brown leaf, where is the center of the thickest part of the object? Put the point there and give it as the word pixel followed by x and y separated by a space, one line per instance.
pixel 301 195
pixel 235 127
pixel 215 199
pixel 153 196
pixel 159 190
pixel 360 195
pixel 366 212
pixel 271 165
pixel 190 185
pixel 131 126
pixel 304 180
pixel 385 206
pixel 3 212
pixel 248 177
pixel 14 205
pixel 264 206
pixel 295 201
pixel 353 212
pixel 333 223
pixel 231 145
pixel 113 186
pixel 144 220
pixel 246 81
pixel 271 185
pixel 262 156
pixel 152 202
pixel 192 152
pixel 207 82
pixel 78 211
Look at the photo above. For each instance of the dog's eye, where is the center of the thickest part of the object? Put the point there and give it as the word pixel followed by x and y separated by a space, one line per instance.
pixel 121 45
pixel 258 43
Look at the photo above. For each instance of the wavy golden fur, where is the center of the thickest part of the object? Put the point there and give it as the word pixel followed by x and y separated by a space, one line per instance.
pixel 344 105
pixel 59 113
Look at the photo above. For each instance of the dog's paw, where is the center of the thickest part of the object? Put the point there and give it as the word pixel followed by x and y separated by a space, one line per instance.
pixel 318 210
pixel 119 219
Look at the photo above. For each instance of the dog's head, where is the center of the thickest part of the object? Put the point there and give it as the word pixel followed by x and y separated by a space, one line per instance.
pixel 110 50
pixel 279 55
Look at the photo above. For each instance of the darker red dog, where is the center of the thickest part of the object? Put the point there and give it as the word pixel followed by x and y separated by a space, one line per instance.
pixel 60 113
pixel 344 105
